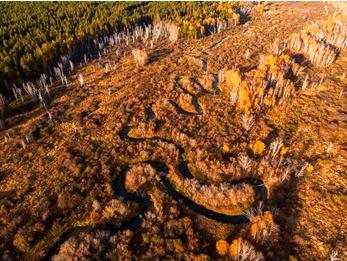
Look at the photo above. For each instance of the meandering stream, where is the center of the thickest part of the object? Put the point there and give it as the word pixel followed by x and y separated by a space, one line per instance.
pixel 143 199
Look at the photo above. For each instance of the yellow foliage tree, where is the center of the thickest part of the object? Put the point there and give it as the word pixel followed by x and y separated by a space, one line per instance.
pixel 235 247
pixel 329 24
pixel 284 150
pixel 222 247
pixel 201 257
pixel 234 83
pixel 271 60
pixel 233 77
pixel 309 168
pixel 236 18
pixel 257 147
pixel 178 244
pixel 261 222
pixel 254 229
pixel 261 9
pixel 244 99
pixel 268 217
pixel 226 147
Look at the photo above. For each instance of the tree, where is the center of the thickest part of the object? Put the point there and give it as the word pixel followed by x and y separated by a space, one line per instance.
pixel 222 247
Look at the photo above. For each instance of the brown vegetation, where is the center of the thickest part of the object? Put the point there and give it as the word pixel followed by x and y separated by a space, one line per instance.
pixel 138 176
pixel 275 119
pixel 222 198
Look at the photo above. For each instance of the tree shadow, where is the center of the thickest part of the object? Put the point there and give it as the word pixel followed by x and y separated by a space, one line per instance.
pixel 20 112
pixel 159 54
pixel 283 199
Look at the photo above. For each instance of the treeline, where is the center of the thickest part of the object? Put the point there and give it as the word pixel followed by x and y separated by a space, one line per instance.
pixel 34 34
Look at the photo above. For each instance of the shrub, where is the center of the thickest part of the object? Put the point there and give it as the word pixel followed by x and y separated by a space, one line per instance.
pixel 21 242
pixel 140 56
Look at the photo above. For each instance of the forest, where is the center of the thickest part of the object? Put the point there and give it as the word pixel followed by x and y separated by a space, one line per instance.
pixel 34 35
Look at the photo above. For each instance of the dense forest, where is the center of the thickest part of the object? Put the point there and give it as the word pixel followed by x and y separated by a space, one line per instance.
pixel 34 35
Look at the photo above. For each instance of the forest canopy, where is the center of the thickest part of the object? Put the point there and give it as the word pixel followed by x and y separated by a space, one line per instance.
pixel 34 34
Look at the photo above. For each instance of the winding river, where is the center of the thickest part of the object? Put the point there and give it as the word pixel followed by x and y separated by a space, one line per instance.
pixel 144 201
